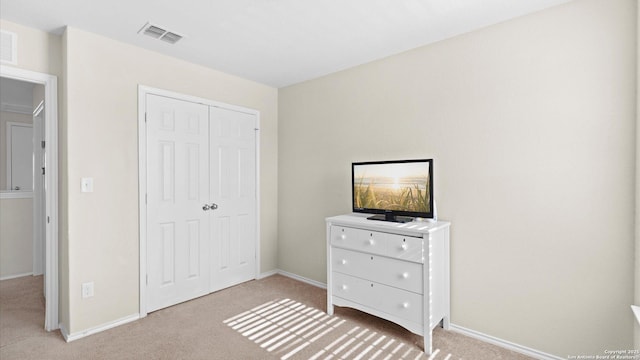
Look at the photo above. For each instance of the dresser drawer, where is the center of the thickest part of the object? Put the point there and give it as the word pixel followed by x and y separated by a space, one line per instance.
pixel 397 273
pixel 405 247
pixel 358 239
pixel 403 304
pixel 374 242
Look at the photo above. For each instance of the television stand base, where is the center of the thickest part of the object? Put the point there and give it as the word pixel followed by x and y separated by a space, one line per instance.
pixel 391 218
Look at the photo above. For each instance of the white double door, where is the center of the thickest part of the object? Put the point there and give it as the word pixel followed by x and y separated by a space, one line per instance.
pixel 201 199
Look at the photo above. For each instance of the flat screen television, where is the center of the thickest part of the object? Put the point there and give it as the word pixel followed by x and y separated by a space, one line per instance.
pixel 396 191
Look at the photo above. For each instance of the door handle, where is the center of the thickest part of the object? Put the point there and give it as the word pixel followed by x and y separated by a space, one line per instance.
pixel 206 207
pixel 214 206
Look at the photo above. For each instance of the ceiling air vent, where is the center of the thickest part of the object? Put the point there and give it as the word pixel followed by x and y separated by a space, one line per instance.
pixel 157 32
pixel 170 37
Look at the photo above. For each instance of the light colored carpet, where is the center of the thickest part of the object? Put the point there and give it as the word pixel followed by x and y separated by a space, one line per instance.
pixel 272 318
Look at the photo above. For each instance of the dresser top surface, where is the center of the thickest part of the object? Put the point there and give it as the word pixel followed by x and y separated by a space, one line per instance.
pixel 361 221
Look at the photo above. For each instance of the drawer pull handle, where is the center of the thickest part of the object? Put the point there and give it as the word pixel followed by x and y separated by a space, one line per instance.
pixel 405 305
pixel 404 246
pixel 405 275
pixel 343 262
pixel 344 287
pixel 343 236
pixel 371 242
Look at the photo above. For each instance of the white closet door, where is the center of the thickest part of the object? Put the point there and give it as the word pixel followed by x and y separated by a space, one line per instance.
pixel 233 190
pixel 178 229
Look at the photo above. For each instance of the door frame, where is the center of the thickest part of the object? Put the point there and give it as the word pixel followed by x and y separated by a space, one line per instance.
pixel 143 91
pixel 39 192
pixel 50 83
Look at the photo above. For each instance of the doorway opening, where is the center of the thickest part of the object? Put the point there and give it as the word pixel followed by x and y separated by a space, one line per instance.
pixel 30 173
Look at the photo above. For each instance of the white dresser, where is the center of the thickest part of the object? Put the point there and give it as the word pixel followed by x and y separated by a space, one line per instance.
pixel 399 272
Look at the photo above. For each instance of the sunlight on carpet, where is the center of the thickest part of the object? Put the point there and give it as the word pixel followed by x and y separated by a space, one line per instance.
pixel 295 331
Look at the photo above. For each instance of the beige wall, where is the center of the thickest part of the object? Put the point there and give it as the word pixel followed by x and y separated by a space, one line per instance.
pixel 102 78
pixel 16 237
pixel 531 125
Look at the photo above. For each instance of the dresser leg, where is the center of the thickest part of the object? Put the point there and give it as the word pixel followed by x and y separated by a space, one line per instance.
pixel 329 309
pixel 428 337
pixel 445 323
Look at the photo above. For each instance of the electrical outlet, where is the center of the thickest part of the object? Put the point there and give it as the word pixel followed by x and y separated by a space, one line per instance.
pixel 87 290
pixel 86 184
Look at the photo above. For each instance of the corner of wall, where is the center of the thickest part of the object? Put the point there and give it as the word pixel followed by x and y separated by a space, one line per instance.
pixel 63 239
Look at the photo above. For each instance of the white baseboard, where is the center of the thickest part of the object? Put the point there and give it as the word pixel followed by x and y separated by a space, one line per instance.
pixel 303 279
pixel 63 331
pixel 504 343
pixel 267 274
pixel 9 277
pixel 293 276
pixel 636 312
pixel 79 335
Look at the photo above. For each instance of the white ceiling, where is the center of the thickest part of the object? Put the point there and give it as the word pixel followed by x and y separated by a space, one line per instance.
pixel 274 42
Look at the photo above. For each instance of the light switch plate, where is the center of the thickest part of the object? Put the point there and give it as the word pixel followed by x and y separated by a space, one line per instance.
pixel 86 185
pixel 87 290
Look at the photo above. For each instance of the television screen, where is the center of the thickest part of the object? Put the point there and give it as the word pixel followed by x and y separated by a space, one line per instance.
pixel 394 188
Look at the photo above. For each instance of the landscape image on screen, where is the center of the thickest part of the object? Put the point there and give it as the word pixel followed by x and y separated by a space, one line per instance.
pixel 398 187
